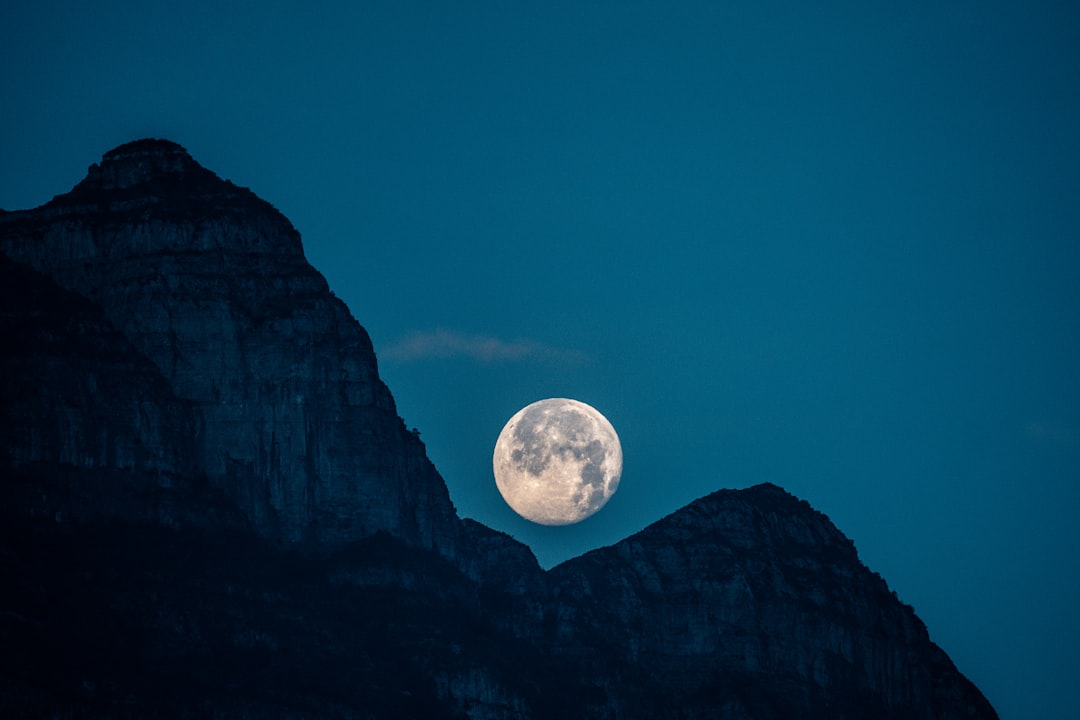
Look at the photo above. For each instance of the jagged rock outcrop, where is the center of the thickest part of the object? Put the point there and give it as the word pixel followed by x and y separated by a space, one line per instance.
pixel 209 508
pixel 210 283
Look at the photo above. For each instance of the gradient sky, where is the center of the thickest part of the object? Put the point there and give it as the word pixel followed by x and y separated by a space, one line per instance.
pixel 836 249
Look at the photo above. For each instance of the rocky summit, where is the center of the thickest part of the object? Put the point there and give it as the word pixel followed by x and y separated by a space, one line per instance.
pixel 209 283
pixel 212 509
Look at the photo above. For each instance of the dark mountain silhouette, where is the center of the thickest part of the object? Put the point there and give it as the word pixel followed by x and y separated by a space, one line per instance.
pixel 211 509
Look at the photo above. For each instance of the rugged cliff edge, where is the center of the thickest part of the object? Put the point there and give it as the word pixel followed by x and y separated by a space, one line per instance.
pixel 210 284
pixel 210 508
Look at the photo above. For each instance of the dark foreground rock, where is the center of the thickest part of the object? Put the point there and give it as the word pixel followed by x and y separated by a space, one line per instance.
pixel 210 508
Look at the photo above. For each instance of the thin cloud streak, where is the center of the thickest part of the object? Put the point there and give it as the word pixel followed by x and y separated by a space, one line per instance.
pixel 446 344
pixel 1054 432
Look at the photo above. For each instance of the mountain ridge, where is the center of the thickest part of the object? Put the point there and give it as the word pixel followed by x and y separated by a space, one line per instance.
pixel 218 295
pixel 232 414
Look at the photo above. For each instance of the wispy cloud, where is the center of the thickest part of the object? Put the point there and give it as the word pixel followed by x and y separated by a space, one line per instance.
pixel 445 344
pixel 1055 432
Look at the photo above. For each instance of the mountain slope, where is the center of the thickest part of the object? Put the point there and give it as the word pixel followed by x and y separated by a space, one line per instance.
pixel 745 590
pixel 210 283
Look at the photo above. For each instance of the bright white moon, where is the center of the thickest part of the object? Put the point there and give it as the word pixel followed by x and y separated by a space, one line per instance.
pixel 557 461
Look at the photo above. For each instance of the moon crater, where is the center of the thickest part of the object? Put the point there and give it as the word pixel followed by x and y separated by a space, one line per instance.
pixel 557 461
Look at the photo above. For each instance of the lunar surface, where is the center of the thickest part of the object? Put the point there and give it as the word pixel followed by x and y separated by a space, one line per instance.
pixel 557 461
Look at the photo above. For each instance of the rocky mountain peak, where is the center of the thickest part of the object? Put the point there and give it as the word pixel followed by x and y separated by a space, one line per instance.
pixel 769 592
pixel 153 181
pixel 138 162
pixel 155 168
pixel 209 282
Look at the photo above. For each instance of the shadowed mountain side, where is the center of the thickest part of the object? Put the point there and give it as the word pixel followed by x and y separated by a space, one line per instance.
pixel 745 590
pixel 84 393
pixel 89 429
pixel 210 283
pixel 138 620
pixel 210 507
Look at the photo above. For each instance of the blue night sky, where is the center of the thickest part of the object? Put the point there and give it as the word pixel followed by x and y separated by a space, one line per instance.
pixel 836 249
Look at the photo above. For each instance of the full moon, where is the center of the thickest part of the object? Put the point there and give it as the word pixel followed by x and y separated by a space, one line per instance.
pixel 557 461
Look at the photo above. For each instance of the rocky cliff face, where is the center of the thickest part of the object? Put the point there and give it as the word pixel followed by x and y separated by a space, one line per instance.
pixel 210 284
pixel 209 508
pixel 85 396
